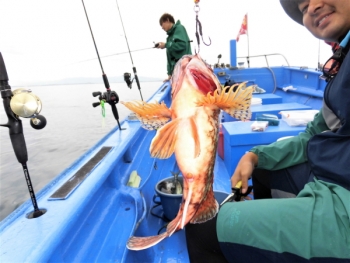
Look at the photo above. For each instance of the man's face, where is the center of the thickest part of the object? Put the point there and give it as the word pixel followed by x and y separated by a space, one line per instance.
pixel 167 25
pixel 326 19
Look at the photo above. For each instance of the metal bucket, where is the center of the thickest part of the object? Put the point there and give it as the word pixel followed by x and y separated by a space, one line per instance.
pixel 171 202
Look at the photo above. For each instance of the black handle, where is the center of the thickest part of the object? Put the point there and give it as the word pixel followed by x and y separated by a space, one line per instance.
pixel 14 124
pixel 3 72
pixel 18 142
pixel 105 80
pixel 95 104
pixel 137 81
pixel 96 93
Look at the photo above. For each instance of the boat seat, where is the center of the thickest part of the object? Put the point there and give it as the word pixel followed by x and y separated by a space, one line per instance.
pixel 239 138
pixel 268 98
pixel 270 109
pixel 305 91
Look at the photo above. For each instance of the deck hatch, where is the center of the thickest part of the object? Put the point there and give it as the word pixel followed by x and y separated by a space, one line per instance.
pixel 72 183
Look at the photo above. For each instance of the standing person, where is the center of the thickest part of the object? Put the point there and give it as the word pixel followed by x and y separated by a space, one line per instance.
pixel 177 43
pixel 311 171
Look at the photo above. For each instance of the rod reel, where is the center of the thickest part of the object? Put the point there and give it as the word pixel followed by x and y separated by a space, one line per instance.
pixel 109 96
pixel 26 104
pixel 128 80
pixel 20 103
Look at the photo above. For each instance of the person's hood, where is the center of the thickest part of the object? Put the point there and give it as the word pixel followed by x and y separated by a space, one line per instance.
pixel 171 30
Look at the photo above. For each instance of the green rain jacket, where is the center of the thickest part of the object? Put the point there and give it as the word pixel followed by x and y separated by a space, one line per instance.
pixel 289 229
pixel 177 44
pixel 283 154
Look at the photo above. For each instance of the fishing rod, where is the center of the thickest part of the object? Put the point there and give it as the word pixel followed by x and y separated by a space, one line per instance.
pixel 127 76
pixel 116 54
pixel 110 96
pixel 21 103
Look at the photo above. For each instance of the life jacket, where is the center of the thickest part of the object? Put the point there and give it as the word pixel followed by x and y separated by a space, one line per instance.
pixel 329 152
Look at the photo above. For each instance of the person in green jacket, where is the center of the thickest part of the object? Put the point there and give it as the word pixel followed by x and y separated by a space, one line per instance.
pixel 301 184
pixel 177 43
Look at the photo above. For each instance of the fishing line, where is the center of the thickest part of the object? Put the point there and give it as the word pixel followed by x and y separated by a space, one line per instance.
pixel 132 62
pixel 98 55
pixel 110 96
pixel 116 54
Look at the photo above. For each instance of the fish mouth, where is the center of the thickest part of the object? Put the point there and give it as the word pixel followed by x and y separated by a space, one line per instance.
pixel 204 83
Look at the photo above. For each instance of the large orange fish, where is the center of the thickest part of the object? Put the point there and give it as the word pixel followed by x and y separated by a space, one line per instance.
pixel 192 134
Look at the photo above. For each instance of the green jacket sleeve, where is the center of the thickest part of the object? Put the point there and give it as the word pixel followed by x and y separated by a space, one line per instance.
pixel 289 152
pixel 176 49
pixel 177 45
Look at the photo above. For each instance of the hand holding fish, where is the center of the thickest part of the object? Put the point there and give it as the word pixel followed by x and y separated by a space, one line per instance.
pixel 244 170
pixel 192 134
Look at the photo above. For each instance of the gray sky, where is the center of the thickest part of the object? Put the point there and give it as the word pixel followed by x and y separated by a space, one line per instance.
pixel 44 39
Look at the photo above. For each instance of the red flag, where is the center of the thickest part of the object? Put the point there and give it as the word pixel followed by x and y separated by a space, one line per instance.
pixel 244 27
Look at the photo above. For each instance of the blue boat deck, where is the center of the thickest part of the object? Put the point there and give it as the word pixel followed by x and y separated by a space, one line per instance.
pixel 268 98
pixel 94 222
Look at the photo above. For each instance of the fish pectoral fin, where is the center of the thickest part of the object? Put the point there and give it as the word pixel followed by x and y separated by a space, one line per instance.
pixel 194 130
pixel 151 115
pixel 234 100
pixel 139 243
pixel 163 144
pixel 207 209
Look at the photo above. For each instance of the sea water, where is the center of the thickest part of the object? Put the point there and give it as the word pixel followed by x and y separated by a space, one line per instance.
pixel 73 126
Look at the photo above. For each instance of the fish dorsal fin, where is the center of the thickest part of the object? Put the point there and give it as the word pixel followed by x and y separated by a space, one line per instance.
pixel 152 115
pixel 234 100
pixel 207 210
pixel 163 144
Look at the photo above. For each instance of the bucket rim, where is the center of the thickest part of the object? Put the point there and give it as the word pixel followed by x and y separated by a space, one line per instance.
pixel 165 194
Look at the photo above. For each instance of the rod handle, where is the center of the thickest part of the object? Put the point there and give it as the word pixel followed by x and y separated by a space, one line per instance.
pixel 105 80
pixel 18 143
pixel 3 72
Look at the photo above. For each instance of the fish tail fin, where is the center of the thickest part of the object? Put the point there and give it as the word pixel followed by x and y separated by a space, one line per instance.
pixel 139 243
pixel 173 226
pixel 151 115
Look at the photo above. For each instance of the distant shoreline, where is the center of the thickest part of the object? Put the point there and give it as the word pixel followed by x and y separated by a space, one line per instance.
pixel 81 81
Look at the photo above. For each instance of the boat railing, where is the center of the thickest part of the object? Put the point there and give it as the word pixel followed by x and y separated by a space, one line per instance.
pixel 266 56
